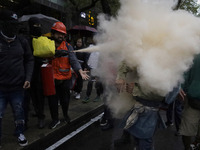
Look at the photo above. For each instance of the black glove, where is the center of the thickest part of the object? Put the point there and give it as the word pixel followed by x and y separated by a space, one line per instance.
pixel 60 53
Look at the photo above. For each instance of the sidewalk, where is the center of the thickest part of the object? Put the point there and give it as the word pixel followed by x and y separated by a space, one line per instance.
pixel 40 138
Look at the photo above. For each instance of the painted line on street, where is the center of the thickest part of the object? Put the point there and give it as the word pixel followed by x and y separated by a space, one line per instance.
pixel 69 136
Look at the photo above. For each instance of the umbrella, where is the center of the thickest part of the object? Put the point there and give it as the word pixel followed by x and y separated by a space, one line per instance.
pixel 82 30
pixel 46 21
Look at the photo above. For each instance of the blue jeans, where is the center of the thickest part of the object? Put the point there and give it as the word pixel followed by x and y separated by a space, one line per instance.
pixel 15 98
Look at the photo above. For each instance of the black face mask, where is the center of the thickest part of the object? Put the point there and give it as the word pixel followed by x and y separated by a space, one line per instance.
pixel 35 31
pixel 10 29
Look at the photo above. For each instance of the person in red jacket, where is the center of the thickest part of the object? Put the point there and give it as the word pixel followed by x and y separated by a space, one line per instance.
pixel 62 74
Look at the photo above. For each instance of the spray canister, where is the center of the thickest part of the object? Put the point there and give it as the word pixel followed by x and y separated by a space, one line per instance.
pixel 48 79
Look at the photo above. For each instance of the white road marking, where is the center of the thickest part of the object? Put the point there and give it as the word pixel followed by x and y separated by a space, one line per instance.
pixel 69 136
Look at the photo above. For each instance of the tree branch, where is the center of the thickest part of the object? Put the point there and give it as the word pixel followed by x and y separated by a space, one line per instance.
pixel 89 6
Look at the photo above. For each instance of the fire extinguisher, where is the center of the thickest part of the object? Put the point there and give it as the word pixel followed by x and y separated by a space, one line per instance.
pixel 47 79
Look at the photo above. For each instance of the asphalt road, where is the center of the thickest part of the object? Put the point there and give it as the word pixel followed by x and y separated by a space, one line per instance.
pixel 93 138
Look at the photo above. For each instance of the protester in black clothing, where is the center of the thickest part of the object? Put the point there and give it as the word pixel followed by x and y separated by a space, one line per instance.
pixel 16 65
pixel 83 58
pixel 36 88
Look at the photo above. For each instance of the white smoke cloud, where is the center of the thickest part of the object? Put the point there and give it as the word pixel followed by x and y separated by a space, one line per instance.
pixel 151 36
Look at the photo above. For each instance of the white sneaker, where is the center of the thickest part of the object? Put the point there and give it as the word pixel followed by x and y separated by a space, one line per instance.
pixel 78 96
pixel 22 140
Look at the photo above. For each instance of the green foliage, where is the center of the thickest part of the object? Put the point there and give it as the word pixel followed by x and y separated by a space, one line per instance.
pixel 191 5
pixel 74 6
pixel 115 5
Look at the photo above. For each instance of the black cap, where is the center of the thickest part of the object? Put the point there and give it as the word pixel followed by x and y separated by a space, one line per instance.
pixel 8 15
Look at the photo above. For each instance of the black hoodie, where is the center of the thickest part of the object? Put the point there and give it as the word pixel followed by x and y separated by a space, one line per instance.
pixel 16 63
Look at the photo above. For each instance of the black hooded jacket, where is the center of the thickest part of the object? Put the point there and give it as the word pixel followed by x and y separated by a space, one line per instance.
pixel 16 63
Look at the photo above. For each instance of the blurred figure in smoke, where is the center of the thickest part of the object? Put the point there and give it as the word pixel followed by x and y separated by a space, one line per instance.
pixel 93 63
pixel 142 119
pixel 190 123
pixel 82 58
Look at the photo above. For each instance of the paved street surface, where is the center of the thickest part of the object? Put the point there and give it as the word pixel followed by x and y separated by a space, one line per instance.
pixel 35 136
pixel 93 138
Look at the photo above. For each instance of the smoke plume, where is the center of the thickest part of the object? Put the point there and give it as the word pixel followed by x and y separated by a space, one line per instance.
pixel 160 42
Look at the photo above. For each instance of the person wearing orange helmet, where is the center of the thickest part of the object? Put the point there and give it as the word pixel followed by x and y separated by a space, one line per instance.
pixel 62 74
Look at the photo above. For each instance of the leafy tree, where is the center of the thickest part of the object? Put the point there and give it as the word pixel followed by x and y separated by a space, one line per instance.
pixel 189 5
pixel 75 7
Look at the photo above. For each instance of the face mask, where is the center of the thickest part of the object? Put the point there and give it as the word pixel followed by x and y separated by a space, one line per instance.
pixel 36 31
pixel 10 29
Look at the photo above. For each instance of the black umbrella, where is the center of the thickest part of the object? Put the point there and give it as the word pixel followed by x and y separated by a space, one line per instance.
pixel 46 21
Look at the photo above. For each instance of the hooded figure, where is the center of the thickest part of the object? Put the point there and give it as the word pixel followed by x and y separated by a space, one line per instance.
pixel 9 23
pixel 35 27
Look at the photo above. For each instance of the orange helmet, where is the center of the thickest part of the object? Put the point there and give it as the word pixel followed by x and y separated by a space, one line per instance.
pixel 60 27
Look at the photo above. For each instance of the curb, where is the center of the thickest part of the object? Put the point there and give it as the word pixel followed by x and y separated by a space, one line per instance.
pixel 62 131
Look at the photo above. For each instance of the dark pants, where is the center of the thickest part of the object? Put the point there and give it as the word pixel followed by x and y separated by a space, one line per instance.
pixel 37 96
pixel 98 86
pixel 79 83
pixel 26 105
pixel 175 108
pixel 62 94
pixel 15 98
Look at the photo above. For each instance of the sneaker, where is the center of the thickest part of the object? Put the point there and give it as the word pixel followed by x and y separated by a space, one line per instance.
pixel 78 96
pixel 103 122
pixel 86 100
pixel 22 140
pixel 168 124
pixel 54 124
pixel 194 146
pixel 97 99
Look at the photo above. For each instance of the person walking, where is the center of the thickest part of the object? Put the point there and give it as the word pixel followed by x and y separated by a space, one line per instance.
pixel 93 63
pixel 62 74
pixel 141 121
pixel 174 110
pixel 37 96
pixel 16 65
pixel 190 122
